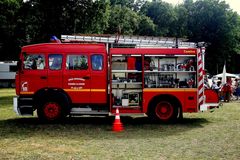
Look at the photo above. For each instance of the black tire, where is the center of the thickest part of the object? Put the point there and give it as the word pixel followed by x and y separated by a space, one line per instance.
pixel 50 111
pixel 52 107
pixel 164 110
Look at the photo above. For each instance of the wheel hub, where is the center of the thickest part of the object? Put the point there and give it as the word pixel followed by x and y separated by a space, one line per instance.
pixel 164 110
pixel 52 110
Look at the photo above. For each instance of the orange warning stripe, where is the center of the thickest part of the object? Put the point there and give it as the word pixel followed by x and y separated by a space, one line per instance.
pixel 84 90
pixel 170 90
pixel 26 92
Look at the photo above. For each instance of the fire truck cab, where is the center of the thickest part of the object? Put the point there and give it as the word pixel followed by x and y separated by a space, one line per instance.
pixel 63 79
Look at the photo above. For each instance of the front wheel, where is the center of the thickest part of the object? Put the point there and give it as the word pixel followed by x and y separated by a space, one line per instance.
pixel 50 111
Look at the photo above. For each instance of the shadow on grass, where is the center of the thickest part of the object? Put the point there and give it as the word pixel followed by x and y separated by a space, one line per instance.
pixel 101 120
pixel 95 127
pixel 5 100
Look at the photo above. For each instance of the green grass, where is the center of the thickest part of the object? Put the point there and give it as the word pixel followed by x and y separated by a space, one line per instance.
pixel 200 136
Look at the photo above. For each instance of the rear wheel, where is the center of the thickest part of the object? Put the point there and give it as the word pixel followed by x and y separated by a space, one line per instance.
pixel 163 110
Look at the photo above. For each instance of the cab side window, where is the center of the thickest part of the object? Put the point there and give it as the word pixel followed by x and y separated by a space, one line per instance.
pixel 34 61
pixel 55 61
pixel 77 62
pixel 97 62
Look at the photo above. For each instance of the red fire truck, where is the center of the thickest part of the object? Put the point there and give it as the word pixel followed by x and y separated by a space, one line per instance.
pixel 60 79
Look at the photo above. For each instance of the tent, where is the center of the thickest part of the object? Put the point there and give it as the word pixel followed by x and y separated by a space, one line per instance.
pixel 227 75
pixel 224 75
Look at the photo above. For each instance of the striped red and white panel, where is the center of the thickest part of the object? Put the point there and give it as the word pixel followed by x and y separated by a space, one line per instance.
pixel 200 79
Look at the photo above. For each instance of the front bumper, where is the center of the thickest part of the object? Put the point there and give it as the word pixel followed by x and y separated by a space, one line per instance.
pixel 209 106
pixel 23 106
pixel 15 106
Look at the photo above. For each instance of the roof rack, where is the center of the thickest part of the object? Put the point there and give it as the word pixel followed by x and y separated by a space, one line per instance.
pixel 138 41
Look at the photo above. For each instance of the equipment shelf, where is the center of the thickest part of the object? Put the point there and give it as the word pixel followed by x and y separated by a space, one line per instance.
pixel 126 71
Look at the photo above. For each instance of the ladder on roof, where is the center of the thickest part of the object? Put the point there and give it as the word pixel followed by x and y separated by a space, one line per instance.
pixel 138 41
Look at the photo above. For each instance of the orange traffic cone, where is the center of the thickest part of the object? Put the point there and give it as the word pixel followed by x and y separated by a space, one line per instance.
pixel 117 125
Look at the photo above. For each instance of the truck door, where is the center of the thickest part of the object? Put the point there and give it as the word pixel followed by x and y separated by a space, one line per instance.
pixel 98 78
pixel 33 76
pixel 55 70
pixel 77 78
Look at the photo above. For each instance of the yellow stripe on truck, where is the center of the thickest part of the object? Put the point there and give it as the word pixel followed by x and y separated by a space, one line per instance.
pixel 77 90
pixel 98 90
pixel 169 90
pixel 84 90
pixel 26 92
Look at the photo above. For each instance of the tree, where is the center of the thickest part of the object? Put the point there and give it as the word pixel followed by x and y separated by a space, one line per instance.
pixel 178 28
pixel 98 17
pixel 8 43
pixel 212 21
pixel 162 14
pixel 123 19
pixel 123 3
pixel 138 5
pixel 146 27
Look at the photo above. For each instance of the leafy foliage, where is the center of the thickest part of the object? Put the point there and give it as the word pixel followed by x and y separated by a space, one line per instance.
pixel 211 21
pixel 162 14
pixel 146 26
pixel 123 20
pixel 8 18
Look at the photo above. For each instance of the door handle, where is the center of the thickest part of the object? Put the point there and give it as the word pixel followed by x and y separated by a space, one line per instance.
pixel 43 77
pixel 86 77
